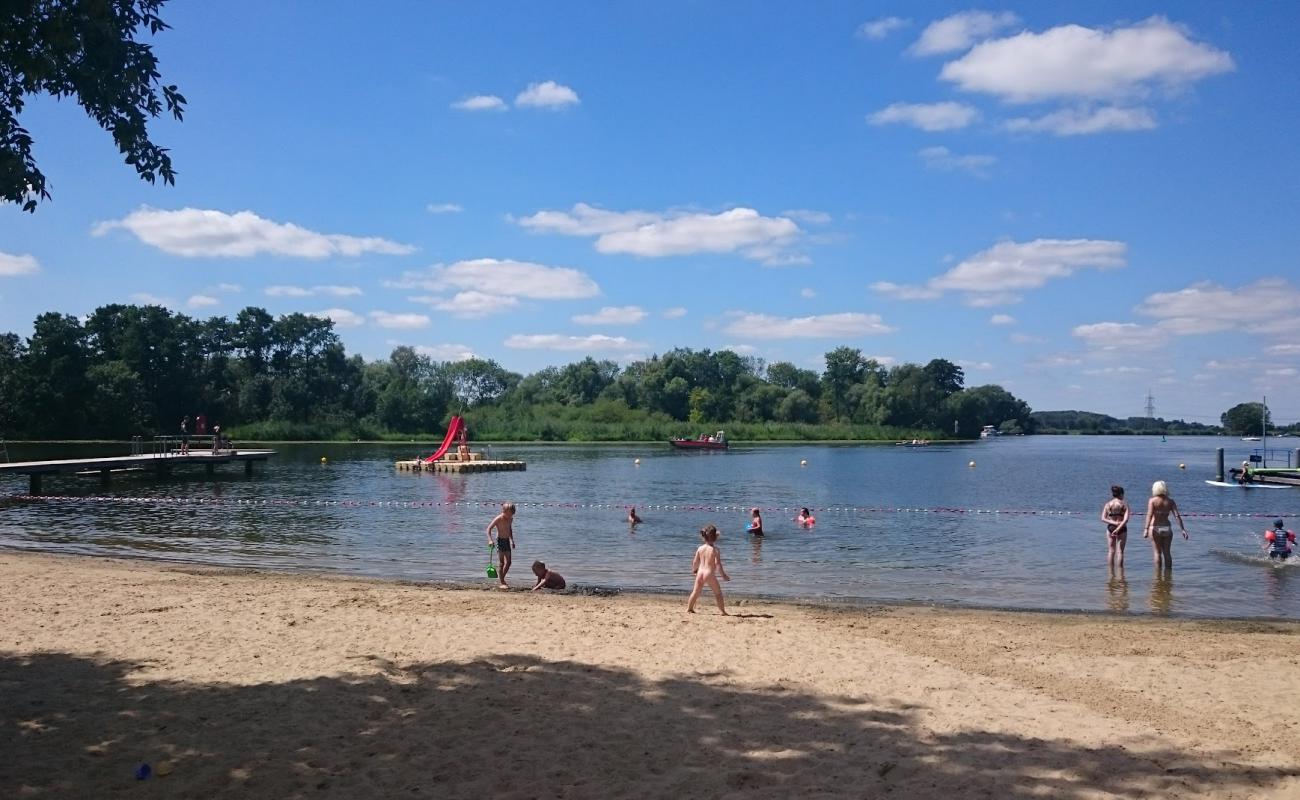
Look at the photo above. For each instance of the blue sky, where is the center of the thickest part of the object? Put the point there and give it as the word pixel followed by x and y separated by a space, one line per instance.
pixel 1079 201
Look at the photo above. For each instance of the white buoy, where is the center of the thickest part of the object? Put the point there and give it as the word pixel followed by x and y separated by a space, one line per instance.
pixel 637 462
pixel 803 462
pixel 1182 466
pixel 971 464
pixel 324 460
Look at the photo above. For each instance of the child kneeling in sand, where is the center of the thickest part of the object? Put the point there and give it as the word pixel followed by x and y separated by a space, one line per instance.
pixel 707 566
pixel 547 579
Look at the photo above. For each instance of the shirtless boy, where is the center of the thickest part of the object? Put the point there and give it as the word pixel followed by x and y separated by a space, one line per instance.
pixel 505 540
pixel 1158 527
pixel 547 578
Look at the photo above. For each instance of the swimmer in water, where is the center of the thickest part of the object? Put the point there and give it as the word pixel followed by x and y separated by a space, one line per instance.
pixel 755 523
pixel 1279 541
pixel 1158 527
pixel 632 518
pixel 805 518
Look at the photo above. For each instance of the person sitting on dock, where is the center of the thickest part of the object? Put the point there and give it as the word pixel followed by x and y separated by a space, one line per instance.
pixel 1279 541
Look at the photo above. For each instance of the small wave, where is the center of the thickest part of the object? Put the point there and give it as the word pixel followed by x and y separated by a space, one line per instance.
pixel 1259 559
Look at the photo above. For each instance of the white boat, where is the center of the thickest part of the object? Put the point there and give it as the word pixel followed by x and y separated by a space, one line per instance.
pixel 989 431
pixel 1250 439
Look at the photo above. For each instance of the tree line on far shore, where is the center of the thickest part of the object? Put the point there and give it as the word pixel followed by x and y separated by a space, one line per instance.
pixel 130 370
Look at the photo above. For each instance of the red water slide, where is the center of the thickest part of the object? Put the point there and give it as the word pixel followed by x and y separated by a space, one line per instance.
pixel 453 430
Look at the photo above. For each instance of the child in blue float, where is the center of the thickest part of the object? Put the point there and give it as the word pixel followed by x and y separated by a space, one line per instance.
pixel 1279 541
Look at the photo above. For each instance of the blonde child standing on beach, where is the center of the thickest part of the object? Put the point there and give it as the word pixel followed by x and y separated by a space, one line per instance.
pixel 707 567
pixel 505 540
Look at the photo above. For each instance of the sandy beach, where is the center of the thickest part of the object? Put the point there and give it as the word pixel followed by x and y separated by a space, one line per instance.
pixel 242 684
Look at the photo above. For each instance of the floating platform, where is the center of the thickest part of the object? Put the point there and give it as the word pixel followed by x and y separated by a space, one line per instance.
pixel 162 463
pixel 476 465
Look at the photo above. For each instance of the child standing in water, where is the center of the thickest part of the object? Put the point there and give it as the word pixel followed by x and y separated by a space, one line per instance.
pixel 505 540
pixel 1279 541
pixel 707 567
pixel 755 523
pixel 1158 528
pixel 1115 514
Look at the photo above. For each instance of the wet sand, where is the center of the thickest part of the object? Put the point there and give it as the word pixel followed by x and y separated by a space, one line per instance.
pixel 251 684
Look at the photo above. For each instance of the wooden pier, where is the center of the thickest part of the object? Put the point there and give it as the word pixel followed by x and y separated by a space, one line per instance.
pixel 454 465
pixel 161 463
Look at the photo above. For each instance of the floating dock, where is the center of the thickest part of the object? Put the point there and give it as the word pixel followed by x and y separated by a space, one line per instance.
pixel 161 463
pixel 450 463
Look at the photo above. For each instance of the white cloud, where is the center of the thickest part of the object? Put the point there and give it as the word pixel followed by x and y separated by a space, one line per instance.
pixel 943 159
pixel 385 319
pixel 1058 360
pixel 199 233
pixel 1265 306
pixel 945 116
pixel 807 293
pixel 613 315
pixel 230 288
pixel 1082 122
pixel 444 208
pixel 809 215
pixel 992 277
pixel 201 301
pixel 960 31
pixel 979 366
pixel 1002 319
pixel 1121 370
pixel 506 278
pixel 674 313
pixel 587 220
pixel 311 291
pixel 1281 372
pixel 902 291
pixel 480 102
pixel 470 304
pixel 547 94
pixel 671 233
pixel 340 317
pixel 12 266
pixel 878 29
pixel 1284 350
pixel 1112 336
pixel 1024 338
pixel 595 343
pixel 446 352
pixel 823 326
pixel 740 349
pixel 1072 61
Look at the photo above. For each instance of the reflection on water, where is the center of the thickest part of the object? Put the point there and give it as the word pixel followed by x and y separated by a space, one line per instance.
pixel 1162 592
pixel 892 523
pixel 1117 593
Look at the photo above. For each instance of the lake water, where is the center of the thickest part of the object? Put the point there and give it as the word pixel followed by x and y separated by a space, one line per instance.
pixel 893 524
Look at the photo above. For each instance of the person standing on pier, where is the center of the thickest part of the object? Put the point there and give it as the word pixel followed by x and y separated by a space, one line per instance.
pixel 216 438
pixel 185 435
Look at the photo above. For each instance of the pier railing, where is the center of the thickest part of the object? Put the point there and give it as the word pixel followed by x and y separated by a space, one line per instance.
pixel 170 444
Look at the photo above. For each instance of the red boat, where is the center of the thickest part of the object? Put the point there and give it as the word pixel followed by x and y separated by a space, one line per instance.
pixel 717 441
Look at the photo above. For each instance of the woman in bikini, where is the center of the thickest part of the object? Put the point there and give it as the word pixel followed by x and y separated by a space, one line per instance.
pixel 1115 514
pixel 1158 527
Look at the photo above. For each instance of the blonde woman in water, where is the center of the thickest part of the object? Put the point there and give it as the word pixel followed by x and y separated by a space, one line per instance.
pixel 707 568
pixel 1158 528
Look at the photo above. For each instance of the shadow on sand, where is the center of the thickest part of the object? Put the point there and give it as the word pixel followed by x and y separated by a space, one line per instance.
pixel 517 726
